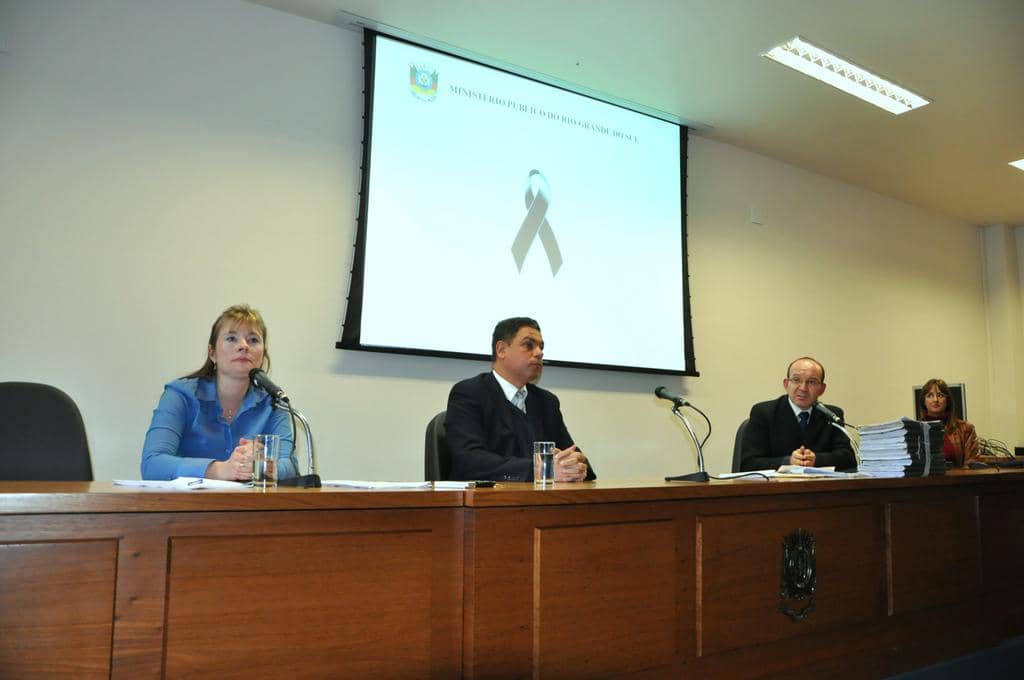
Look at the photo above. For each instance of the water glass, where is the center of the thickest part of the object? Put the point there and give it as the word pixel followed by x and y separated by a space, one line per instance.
pixel 543 463
pixel 265 450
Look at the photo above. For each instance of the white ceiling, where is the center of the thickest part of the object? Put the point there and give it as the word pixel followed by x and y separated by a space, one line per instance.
pixel 700 60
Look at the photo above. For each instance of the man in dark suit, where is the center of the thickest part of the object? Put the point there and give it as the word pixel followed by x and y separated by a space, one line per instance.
pixel 494 418
pixel 790 431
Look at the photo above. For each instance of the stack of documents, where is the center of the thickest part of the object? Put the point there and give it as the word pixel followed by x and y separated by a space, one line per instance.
pixel 883 449
pixel 924 444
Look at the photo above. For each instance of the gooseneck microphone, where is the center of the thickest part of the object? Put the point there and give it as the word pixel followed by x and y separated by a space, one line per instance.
pixel 828 413
pixel 835 421
pixel 259 378
pixel 677 400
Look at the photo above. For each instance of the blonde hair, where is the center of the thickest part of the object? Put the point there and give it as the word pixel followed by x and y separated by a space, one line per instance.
pixel 233 314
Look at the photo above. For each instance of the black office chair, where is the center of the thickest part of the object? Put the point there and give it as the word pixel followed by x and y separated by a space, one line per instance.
pixel 737 448
pixel 42 436
pixel 437 463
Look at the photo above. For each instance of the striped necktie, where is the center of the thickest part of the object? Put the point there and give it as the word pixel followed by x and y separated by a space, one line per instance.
pixel 519 399
pixel 804 418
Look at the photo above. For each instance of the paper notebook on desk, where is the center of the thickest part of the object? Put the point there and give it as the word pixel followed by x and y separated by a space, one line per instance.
pixel 793 472
pixel 801 471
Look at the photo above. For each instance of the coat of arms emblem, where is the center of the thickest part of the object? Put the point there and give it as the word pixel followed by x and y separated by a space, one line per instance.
pixel 799 574
pixel 423 82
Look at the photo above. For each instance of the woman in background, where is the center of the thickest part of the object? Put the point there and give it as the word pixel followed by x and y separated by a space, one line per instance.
pixel 961 441
pixel 201 425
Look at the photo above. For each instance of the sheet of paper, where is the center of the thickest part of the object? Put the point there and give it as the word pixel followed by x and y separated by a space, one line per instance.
pixel 800 471
pixel 182 484
pixel 363 484
pixel 452 486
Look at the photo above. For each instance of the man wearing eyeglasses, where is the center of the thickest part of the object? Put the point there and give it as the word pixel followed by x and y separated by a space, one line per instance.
pixel 789 431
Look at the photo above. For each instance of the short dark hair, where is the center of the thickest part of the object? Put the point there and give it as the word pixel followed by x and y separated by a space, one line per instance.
pixel 507 329
pixel 790 367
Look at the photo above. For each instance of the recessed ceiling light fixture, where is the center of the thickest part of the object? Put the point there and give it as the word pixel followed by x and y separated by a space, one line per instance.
pixel 818 63
pixel 1018 164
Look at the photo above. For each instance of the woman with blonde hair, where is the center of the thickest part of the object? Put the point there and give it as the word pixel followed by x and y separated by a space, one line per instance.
pixel 960 444
pixel 201 425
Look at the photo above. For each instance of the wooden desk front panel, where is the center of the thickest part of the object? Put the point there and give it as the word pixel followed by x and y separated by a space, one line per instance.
pixel 590 590
pixel 232 594
pixel 56 608
pixel 659 581
pixel 581 591
pixel 82 586
pixel 740 574
pixel 664 589
pixel 1002 549
pixel 934 537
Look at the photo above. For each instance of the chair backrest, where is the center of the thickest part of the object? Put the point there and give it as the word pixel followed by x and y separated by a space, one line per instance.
pixel 437 464
pixel 737 448
pixel 42 436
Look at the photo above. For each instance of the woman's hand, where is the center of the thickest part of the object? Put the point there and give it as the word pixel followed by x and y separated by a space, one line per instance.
pixel 237 468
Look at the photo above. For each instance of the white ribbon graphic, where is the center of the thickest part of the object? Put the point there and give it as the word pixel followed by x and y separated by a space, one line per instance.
pixel 536 222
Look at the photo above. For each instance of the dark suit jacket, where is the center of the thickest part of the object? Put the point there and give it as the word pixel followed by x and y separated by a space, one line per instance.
pixel 489 438
pixel 773 433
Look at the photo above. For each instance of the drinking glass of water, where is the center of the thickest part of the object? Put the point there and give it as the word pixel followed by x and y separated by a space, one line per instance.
pixel 265 449
pixel 543 463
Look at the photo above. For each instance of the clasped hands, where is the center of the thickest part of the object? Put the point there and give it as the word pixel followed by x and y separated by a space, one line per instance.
pixel 803 457
pixel 238 466
pixel 570 465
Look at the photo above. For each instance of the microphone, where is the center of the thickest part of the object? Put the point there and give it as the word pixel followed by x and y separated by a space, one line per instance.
pixel 662 393
pixel 677 403
pixel 828 413
pixel 259 378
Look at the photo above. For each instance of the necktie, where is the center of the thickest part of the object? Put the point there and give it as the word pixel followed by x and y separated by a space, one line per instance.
pixel 519 399
pixel 804 417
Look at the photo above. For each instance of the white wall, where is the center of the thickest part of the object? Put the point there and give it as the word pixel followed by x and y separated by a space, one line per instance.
pixel 160 161
pixel 1003 256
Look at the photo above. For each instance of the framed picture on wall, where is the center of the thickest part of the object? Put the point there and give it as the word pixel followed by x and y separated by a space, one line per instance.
pixel 959 391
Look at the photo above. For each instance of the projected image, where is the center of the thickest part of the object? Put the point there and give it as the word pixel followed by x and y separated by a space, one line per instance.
pixel 489 195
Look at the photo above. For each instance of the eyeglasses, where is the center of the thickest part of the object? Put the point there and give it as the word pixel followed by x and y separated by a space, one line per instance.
pixel 810 383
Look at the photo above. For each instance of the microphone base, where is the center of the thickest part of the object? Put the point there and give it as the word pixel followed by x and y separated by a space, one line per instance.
pixel 692 477
pixel 302 481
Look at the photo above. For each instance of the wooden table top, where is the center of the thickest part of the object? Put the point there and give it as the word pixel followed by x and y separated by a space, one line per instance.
pixel 79 497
